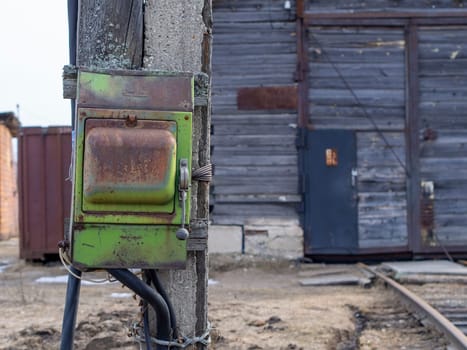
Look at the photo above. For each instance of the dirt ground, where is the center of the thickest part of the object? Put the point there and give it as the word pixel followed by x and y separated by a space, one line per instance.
pixel 253 304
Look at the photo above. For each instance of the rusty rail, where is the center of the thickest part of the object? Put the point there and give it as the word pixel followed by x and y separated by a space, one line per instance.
pixel 452 333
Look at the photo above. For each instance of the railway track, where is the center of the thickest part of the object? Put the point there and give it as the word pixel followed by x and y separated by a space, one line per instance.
pixel 442 305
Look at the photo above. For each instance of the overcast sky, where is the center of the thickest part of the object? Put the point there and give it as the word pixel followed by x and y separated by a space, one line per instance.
pixel 34 48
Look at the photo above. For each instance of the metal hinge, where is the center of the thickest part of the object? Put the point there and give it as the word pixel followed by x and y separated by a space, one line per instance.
pixel 301 139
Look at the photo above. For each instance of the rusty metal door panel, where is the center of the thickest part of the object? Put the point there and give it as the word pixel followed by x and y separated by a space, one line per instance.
pixel 129 165
pixel 330 192
pixel 44 157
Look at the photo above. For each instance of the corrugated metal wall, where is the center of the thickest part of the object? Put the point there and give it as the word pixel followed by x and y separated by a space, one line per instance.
pixel 443 110
pixel 44 158
pixel 254 151
pixel 357 81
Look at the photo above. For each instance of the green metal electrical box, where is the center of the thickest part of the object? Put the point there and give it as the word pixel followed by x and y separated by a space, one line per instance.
pixel 132 169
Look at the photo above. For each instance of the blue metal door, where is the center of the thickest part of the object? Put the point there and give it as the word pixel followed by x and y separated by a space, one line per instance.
pixel 330 213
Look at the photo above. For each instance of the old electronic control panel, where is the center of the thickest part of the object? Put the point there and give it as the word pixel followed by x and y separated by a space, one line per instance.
pixel 132 165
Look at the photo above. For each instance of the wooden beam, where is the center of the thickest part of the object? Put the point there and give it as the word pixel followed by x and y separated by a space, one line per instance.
pixel 412 138
pixel 301 75
pixel 110 34
pixel 386 13
pixel 301 8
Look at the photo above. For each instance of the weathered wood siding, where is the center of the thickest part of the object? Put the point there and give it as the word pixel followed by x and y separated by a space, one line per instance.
pixel 253 151
pixel 371 61
pixel 443 109
pixel 333 5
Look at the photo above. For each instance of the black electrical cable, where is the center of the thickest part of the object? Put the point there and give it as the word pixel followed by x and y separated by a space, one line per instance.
pixel 71 310
pixel 158 303
pixel 161 290
pixel 147 333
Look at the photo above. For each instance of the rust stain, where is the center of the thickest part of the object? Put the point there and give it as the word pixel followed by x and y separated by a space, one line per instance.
pixel 267 97
pixel 130 90
pixel 429 134
pixel 137 155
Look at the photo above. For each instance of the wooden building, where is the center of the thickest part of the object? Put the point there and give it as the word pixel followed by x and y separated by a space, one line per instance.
pixel 346 120
pixel 9 126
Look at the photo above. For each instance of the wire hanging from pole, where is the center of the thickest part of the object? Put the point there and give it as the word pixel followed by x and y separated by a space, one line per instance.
pixel 360 105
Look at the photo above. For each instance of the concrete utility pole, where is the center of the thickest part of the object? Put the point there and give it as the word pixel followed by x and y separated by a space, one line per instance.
pixel 177 37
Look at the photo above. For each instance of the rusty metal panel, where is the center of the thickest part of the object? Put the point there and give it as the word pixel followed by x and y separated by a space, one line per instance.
pixel 136 90
pixel 129 163
pixel 267 97
pixel 44 158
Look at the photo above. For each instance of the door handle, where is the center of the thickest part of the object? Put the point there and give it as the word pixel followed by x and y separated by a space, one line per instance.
pixel 354 174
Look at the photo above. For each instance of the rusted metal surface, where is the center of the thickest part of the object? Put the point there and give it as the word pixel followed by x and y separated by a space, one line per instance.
pixel 44 158
pixel 135 89
pixel 267 97
pixel 429 134
pixel 129 164
pixel 300 8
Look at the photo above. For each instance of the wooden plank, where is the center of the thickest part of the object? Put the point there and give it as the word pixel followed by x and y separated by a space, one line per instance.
pixel 254 210
pixel 434 149
pixel 394 112
pixel 378 243
pixel 255 171
pixel 358 82
pixel 358 124
pixel 245 16
pixel 247 129
pixel 443 67
pixel 258 198
pixel 256 57
pixel 382 4
pixel 367 97
pixel 258 188
pixel 265 151
pixel 250 180
pixel 443 83
pixel 102 43
pixel 381 199
pixel 394 185
pixel 252 140
pixel 239 49
pixel 255 119
pixel 439 36
pixel 290 160
pixel 251 5
pixel 223 26
pixel 349 70
pixel 266 35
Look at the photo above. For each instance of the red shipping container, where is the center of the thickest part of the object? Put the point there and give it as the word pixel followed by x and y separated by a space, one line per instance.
pixel 44 158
